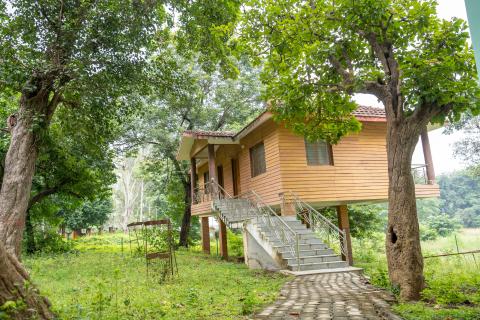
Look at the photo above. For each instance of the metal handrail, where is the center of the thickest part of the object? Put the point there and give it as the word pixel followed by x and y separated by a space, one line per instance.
pixel 317 222
pixel 419 173
pixel 256 205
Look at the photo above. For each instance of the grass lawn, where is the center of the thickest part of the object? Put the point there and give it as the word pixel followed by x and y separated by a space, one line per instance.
pixel 99 282
pixel 453 283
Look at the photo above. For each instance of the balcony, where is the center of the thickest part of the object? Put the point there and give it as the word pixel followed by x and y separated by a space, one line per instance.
pixel 419 173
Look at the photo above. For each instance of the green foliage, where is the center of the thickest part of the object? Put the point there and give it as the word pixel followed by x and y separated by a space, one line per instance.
pixel 94 213
pixel 51 242
pixel 427 233
pixel 452 282
pixel 460 197
pixel 468 148
pixel 442 224
pixel 317 56
pixel 365 220
pixel 101 283
pixel 10 308
pixel 200 101
pixel 235 244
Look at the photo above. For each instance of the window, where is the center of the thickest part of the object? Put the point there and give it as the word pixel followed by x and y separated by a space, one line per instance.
pixel 257 159
pixel 318 153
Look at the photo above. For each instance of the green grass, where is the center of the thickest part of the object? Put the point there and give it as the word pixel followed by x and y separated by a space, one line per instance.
pixel 453 283
pixel 99 282
pixel 102 281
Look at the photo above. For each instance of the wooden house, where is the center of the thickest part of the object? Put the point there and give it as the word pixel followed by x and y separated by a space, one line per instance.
pixel 267 159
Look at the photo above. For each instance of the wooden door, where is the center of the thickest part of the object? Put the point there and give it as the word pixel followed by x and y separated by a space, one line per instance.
pixel 235 177
pixel 220 176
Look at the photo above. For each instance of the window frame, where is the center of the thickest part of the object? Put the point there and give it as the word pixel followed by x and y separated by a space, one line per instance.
pixel 329 151
pixel 254 174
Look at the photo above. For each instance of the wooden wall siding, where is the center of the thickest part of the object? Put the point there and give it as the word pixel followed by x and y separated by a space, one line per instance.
pixel 204 208
pixel 359 171
pixel 267 185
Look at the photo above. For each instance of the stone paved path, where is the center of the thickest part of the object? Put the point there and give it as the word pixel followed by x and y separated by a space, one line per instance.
pixel 330 296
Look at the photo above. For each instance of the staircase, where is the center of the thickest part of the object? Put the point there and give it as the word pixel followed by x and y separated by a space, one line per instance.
pixel 281 242
pixel 313 254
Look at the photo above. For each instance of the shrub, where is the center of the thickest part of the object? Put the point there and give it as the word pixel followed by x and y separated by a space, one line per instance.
pixel 427 233
pixel 443 224
pixel 235 244
pixel 52 242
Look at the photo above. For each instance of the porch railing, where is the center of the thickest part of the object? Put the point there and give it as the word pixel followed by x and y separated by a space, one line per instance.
pixel 318 223
pixel 419 173
pixel 262 212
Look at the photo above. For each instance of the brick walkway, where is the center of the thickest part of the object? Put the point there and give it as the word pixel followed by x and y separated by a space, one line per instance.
pixel 330 296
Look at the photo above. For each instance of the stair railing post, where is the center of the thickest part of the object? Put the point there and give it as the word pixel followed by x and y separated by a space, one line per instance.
pixel 297 244
pixel 310 220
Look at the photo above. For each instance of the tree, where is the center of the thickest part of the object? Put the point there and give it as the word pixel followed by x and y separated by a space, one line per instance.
pixel 201 100
pixel 460 197
pixel 127 187
pixel 90 214
pixel 87 57
pixel 468 149
pixel 319 55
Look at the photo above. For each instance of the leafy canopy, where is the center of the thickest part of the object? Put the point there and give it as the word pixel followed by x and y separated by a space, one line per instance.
pixel 318 54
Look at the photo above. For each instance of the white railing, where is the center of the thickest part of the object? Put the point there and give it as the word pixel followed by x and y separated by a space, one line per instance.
pixel 257 208
pixel 318 223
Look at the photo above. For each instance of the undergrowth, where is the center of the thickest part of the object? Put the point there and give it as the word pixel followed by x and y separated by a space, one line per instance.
pixel 101 281
pixel 453 283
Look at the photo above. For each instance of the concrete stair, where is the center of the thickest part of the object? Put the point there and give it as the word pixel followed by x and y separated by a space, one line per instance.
pixel 314 254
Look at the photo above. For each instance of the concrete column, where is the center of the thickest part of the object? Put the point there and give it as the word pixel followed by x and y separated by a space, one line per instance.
pixel 343 224
pixel 193 177
pixel 427 154
pixel 223 240
pixel 205 235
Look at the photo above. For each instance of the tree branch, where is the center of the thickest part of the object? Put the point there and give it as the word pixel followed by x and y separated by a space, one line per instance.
pixel 45 193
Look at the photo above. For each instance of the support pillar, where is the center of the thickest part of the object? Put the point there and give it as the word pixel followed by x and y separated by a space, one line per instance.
pixel 343 224
pixel 212 167
pixel 205 235
pixel 427 154
pixel 223 240
pixel 193 178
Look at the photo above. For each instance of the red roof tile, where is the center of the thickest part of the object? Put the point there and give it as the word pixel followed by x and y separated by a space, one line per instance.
pixel 364 111
pixel 205 133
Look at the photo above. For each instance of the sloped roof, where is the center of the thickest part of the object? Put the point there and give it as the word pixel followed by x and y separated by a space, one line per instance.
pixel 364 111
pixel 205 133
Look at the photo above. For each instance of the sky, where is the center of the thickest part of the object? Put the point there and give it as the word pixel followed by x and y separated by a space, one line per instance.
pixel 440 144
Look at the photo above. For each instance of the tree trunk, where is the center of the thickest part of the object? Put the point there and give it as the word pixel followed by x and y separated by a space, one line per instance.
pixel 30 234
pixel 17 179
pixel 404 255
pixel 13 287
pixel 187 216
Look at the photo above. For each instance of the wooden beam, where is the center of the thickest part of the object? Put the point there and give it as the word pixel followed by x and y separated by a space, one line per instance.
pixel 344 224
pixel 212 167
pixel 193 177
pixel 205 235
pixel 223 240
pixel 427 155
